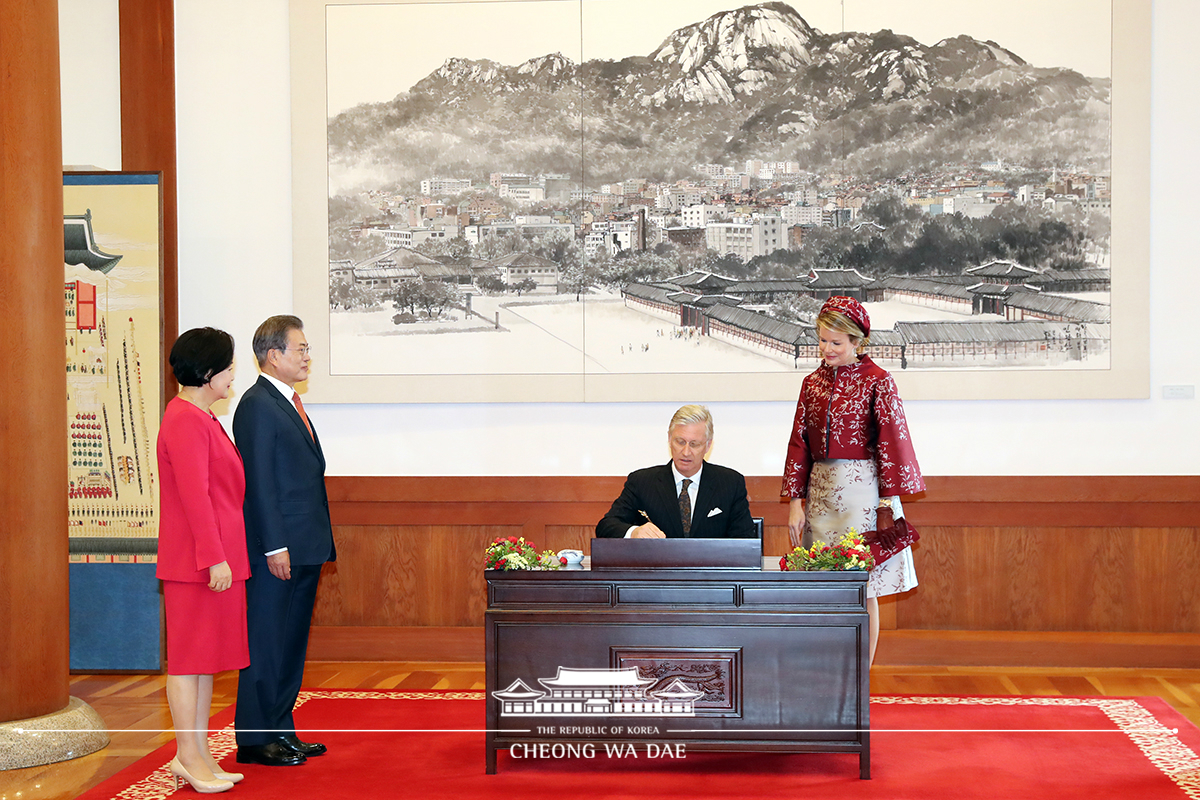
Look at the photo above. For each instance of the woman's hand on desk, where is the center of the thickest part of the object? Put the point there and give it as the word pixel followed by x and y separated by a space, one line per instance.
pixel 796 520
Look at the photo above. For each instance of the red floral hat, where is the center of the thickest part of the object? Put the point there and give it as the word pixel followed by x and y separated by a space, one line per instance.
pixel 852 309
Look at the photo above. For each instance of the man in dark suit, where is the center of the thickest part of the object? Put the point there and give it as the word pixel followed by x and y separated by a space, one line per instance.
pixel 686 498
pixel 289 537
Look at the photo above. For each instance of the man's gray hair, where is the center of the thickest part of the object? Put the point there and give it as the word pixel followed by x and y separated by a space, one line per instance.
pixel 273 335
pixel 691 414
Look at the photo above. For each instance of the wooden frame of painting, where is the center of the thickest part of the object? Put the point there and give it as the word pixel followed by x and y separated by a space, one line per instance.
pixel 387 353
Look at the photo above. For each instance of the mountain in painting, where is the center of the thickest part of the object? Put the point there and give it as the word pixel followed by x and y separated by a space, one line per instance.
pixel 756 82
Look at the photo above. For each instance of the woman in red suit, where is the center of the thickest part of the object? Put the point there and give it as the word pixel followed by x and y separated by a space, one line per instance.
pixel 202 558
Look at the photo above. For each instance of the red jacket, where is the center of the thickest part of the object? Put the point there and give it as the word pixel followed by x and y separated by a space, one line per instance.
pixel 852 412
pixel 203 486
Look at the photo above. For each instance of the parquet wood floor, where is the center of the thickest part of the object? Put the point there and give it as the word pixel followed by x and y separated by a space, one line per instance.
pixel 135 706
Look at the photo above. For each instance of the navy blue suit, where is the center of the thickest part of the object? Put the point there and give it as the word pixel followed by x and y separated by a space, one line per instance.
pixel 652 490
pixel 286 506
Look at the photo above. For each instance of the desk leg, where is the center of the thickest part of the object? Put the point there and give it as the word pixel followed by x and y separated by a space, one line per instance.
pixel 864 764
pixel 490 767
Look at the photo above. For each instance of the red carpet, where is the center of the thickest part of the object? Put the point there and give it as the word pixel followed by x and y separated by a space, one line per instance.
pixel 429 745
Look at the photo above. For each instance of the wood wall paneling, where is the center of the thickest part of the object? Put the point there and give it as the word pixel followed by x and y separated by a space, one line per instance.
pixel 1019 555
pixel 406 575
pixel 1055 579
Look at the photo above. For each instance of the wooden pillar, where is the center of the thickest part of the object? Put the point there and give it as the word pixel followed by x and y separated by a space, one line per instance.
pixel 34 643
pixel 148 135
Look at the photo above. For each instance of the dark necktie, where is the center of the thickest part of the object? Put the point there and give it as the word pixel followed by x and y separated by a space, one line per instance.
pixel 685 506
pixel 300 408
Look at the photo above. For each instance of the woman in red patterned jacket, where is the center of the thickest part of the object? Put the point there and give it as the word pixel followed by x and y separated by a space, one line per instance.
pixel 850 454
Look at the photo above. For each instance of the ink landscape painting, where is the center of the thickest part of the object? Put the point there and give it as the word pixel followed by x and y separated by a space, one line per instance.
pixel 587 202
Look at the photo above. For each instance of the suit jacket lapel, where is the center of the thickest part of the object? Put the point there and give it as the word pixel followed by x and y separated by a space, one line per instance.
pixel 316 441
pixel 704 500
pixel 289 408
pixel 670 500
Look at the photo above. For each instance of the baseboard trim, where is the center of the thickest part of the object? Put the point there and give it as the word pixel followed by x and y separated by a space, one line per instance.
pixel 926 648
pixel 1069 649
pixel 346 643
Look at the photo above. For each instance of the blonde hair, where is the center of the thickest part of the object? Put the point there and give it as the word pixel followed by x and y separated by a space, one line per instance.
pixel 691 414
pixel 832 320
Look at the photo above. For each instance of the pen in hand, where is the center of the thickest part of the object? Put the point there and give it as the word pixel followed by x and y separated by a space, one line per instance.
pixel 655 534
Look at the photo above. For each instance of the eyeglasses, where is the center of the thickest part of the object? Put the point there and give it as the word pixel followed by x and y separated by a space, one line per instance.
pixel 304 349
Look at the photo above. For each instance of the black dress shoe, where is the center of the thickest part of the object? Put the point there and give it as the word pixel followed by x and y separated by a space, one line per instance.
pixel 309 749
pixel 272 754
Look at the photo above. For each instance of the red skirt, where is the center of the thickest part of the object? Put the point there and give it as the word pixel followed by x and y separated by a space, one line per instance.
pixel 206 630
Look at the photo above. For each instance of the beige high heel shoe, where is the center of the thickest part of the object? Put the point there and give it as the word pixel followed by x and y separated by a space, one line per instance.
pixel 204 787
pixel 232 777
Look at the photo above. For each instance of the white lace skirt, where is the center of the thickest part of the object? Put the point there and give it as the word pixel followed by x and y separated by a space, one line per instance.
pixel 843 494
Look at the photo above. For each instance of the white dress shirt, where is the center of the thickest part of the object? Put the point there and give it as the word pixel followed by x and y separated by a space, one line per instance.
pixel 693 489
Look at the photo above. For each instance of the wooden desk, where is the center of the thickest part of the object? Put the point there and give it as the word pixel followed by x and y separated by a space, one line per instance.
pixel 779 657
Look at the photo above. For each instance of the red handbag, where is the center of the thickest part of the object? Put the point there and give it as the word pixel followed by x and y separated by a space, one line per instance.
pixel 890 539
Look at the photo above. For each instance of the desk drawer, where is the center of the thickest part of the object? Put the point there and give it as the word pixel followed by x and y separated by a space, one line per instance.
pixel 545 593
pixel 805 596
pixel 675 595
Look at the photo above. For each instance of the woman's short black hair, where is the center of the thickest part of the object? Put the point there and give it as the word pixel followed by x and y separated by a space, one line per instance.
pixel 199 354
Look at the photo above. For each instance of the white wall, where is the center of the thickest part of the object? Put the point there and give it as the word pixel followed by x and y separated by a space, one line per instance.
pixel 235 269
pixel 90 70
